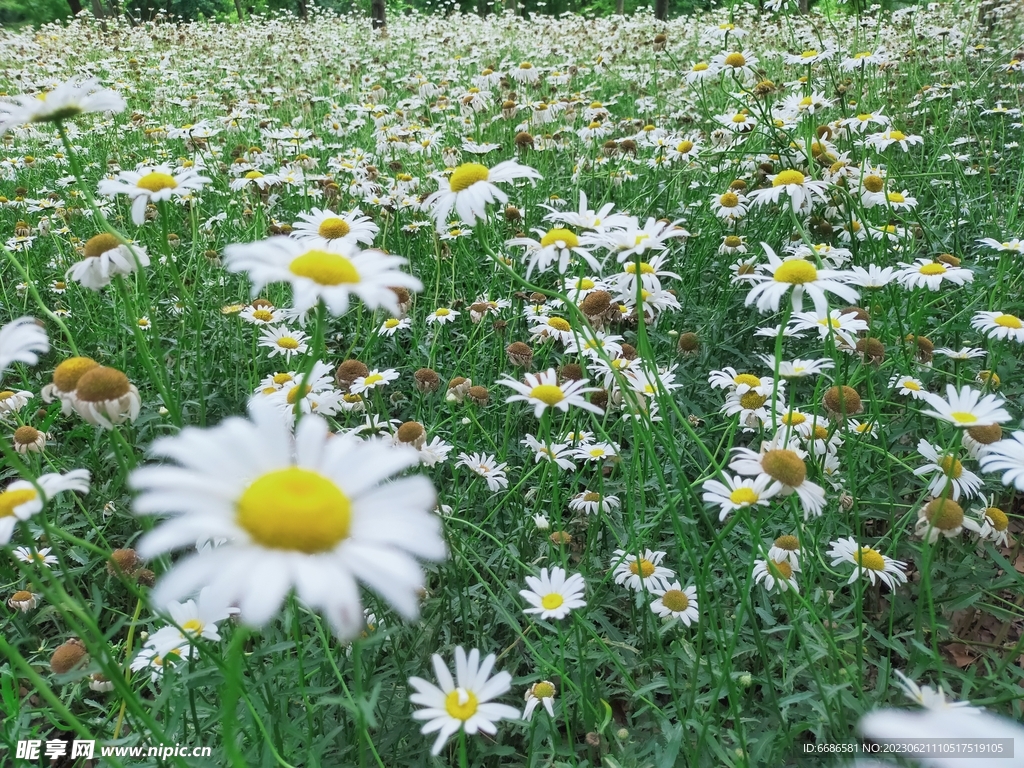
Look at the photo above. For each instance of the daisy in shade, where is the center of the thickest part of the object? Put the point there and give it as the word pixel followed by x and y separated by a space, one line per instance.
pixel 543 391
pixel 783 463
pixel 152 184
pixel 929 698
pixel 908 385
pixel 993 525
pixel 539 693
pixel 487 467
pixel 643 572
pixel 677 603
pixel 801 190
pixel 21 499
pixel 553 596
pixel 925 273
pixel 868 562
pixel 41 557
pixel 316 274
pixel 781 574
pixel 558 454
pixel 1006 456
pixel 323 228
pixel 999 325
pixel 393 325
pixel 284 342
pixel 555 246
pixel 22 341
pixel 948 473
pixel 464 703
pixel 966 407
pixel 309 511
pixel 736 493
pixel 802 277
pixel 470 188
pixel 75 97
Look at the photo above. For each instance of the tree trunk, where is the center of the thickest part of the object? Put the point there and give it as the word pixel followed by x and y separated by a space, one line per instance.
pixel 378 13
pixel 620 7
pixel 76 7
pixel 512 5
pixel 238 10
pixel 805 6
pixel 661 10
pixel 303 10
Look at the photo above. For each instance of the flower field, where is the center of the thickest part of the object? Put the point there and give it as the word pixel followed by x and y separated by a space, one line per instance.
pixel 493 391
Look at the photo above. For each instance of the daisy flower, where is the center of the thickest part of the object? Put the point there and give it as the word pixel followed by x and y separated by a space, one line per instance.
pixel 993 524
pixel 943 517
pixel 317 274
pixel 881 141
pixel 199 619
pixel 262 313
pixel 463 703
pixel 873 278
pixel 323 228
pixel 964 353
pixel 11 401
pixel 781 574
pixel 592 502
pixel 643 572
pixel 736 493
pixel 375 378
pixel 539 693
pixel 105 397
pixel 843 326
pixel 74 97
pixel 1014 245
pixel 675 602
pixel 553 327
pixel 487 467
pixel 553 596
pixel 557 453
pixel 471 188
pixel 308 511
pixel 803 278
pixel 284 342
pixel 392 325
pixel 925 273
pixel 999 325
pixel 21 499
pixel 782 463
pixel 949 472
pixel 42 557
pixel 1006 456
pixel 442 316
pixel 597 452
pixel 636 240
pixel 801 190
pixel 868 562
pixel 586 218
pixel 798 369
pixel 105 257
pixel 785 548
pixel 966 407
pixel 21 341
pixel 543 391
pixel 929 698
pixel 152 184
pixel 555 246
pixel 908 385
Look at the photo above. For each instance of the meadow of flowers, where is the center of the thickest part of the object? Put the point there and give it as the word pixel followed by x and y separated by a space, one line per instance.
pixel 490 391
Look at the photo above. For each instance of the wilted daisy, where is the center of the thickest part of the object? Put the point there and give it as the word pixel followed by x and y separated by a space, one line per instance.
pixel 543 391
pixel 925 273
pixel 949 474
pixel 21 499
pixel 782 463
pixel 966 407
pixel 737 493
pixel 999 325
pixel 868 562
pixel 71 98
pixel 311 512
pixel 781 574
pixel 802 277
pixel 105 397
pixel 642 572
pixel 106 256
pixel 283 341
pixel 487 467
pixel 942 517
pixel 463 703
pixel 152 184
pixel 22 341
pixel 471 188
pixel 553 596
pixel 539 693
pixel 317 274
pixel 675 602
pixel 323 228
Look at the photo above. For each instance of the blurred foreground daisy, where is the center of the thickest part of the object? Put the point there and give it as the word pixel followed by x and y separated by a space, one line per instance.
pixel 67 100
pixel 317 274
pixel 1006 456
pixel 22 341
pixel 465 702
pixel 471 188
pixel 21 499
pixel 308 511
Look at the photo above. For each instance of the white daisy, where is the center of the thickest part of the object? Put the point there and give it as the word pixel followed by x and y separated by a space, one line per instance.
pixel 949 473
pixel 802 277
pixel 21 499
pixel 471 188
pixel 999 325
pixel 553 596
pixel 643 572
pixel 152 184
pixel 966 407
pixel 781 574
pixel 737 493
pixel 925 273
pixel 543 391
pixel 487 467
pixel 73 97
pixel 323 228
pixel 22 341
pixel 868 562
pixel 675 602
pixel 283 341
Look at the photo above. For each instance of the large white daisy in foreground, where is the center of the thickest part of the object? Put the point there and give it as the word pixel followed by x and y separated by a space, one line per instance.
pixel 471 188
pixel 467 705
pixel 318 274
pixel 313 512
pixel 802 277
pixel 75 97
pixel 22 341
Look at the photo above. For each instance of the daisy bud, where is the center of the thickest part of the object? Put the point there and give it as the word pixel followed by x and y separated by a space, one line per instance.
pixel 541 522
pixel 599 398
pixel 404 299
pixel 629 352
pixel 523 140
pixel 426 380
pixel 100 684
pixel 948 259
pixel 105 397
pixel 458 387
pixel 689 343
pixel 67 656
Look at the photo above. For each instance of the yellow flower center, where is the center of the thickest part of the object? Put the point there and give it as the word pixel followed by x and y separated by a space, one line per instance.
pixel 781 569
pixel 796 272
pixel 873 183
pixel 564 236
pixel 912 385
pixel 333 228
pixel 809 54
pixel 732 241
pixel 896 197
pixel 785 466
pixel 793 418
pixel 868 558
pixel 785 178
pixel 944 514
pixel 584 284
pixel 552 601
pixel 287 342
pixel 193 627
pixel 254 175
pixel 675 600
pixel 559 324
pixel 101 384
pixel 442 312
pixel 997 518
pixel 155 181
pixel 461 704
pixel 951 466
pixel 282 378
pixel 735 60
pixel 897 135
pixel 543 690
pixel 372 379
pixel 641 568
pixel 100 244
pixel 729 200
pixel 788 542
pixel 739 118
pixel 747 378
pixel 263 314
pixel 1008 321
pixel 324 268
pixel 295 509
pixel 963 417
pixel 548 393
pixel 391 323
pixel 10 500
pixel 466 175
pixel 751 401
pixel 744 496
